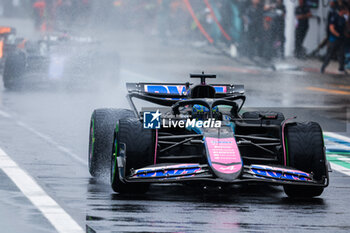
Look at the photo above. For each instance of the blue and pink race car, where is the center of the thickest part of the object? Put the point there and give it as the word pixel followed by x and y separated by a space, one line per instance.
pixel 200 133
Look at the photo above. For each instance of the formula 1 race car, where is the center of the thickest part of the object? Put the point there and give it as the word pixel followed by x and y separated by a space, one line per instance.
pixel 200 135
pixel 59 58
pixel 7 35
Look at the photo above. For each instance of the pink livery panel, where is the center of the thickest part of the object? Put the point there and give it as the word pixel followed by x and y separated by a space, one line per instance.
pixel 224 156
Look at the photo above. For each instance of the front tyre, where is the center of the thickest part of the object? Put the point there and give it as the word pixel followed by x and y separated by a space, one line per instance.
pixel 134 147
pixel 102 125
pixel 302 192
pixel 305 152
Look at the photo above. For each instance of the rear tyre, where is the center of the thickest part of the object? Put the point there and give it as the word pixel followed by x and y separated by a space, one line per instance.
pixel 134 146
pixel 305 152
pixel 14 69
pixel 102 125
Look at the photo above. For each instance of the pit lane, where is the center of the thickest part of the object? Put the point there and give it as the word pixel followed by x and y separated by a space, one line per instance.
pixel 46 133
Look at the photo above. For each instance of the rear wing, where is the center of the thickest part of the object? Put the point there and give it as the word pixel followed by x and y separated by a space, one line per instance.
pixel 181 90
pixel 168 94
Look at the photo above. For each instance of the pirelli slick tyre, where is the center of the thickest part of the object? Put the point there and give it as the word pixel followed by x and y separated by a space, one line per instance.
pixel 14 69
pixel 134 147
pixel 306 152
pixel 102 125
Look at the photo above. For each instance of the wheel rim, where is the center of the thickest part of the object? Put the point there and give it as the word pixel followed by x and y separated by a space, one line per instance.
pixel 114 160
pixel 114 165
pixel 92 141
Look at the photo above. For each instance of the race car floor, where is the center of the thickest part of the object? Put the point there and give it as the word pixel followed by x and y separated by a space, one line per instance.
pixel 44 140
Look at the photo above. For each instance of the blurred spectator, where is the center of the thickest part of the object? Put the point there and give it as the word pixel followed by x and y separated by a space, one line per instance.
pixel 337 25
pixel 213 28
pixel 9 8
pixel 279 25
pixel 38 12
pixel 273 30
pixel 163 20
pixel 64 12
pixel 303 14
pixel 332 10
pixel 232 20
pixel 253 20
pixel 15 8
pixel 268 31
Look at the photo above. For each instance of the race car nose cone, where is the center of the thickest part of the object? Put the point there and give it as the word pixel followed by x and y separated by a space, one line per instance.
pixel 223 155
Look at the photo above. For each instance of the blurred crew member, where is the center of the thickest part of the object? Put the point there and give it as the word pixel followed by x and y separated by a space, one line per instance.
pixel 303 14
pixel 38 12
pixel 336 39
pixel 280 25
pixel 254 21
pixel 333 5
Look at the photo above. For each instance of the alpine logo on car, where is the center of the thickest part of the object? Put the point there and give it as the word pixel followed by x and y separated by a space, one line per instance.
pixel 231 168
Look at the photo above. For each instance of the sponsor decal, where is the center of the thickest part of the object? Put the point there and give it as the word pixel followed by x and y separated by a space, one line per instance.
pixel 153 120
pixel 224 154
pixel 171 172
pixel 191 123
pixel 168 171
pixel 166 89
pixel 280 173
pixel 176 89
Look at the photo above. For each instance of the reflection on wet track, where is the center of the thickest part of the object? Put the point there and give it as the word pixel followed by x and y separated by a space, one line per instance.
pixel 196 209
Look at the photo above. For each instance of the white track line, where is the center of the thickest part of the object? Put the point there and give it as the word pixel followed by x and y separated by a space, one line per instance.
pixel 46 138
pixel 5 114
pixel 57 216
pixel 131 76
pixel 52 142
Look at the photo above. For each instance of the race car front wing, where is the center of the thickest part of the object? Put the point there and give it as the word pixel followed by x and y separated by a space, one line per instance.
pixel 201 172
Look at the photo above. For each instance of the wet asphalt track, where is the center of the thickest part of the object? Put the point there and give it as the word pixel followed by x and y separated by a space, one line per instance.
pixel 45 130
